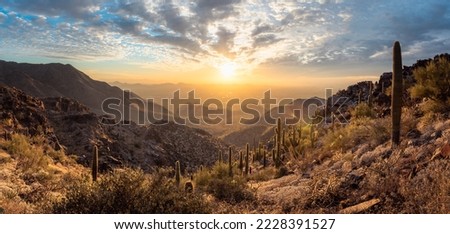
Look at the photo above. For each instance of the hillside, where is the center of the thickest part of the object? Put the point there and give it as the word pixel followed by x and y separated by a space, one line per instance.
pixel 262 131
pixel 59 80
pixel 70 125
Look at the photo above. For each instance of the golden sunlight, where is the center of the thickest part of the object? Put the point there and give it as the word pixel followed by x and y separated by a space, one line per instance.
pixel 228 70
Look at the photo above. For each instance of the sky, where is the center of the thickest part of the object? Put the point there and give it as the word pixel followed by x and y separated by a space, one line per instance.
pixel 303 42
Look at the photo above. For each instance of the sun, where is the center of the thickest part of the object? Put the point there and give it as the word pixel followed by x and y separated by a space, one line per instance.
pixel 228 70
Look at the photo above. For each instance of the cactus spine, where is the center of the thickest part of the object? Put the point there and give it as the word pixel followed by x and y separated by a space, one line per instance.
pixel 177 173
pixel 397 93
pixel 94 163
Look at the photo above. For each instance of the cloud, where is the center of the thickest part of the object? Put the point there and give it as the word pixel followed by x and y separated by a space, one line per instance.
pixel 295 33
pixel 225 42
pixel 265 40
pixel 74 8
pixel 264 28
pixel 3 17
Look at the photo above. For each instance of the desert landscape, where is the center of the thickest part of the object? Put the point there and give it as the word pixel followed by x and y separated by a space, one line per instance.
pixel 118 133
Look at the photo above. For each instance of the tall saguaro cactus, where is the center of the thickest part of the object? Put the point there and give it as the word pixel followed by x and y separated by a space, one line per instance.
pixel 278 139
pixel 94 163
pixel 230 163
pixel 397 93
pixel 241 162
pixel 177 173
pixel 220 158
pixel 247 158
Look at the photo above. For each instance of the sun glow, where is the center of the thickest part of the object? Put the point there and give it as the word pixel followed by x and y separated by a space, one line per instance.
pixel 228 70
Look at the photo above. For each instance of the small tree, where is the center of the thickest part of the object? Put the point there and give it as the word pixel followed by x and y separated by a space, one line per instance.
pixel 433 83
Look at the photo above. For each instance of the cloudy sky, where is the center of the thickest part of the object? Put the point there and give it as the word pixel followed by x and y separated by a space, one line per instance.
pixel 268 40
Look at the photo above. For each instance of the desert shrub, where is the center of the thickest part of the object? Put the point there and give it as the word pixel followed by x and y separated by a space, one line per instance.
pixel 363 110
pixel 433 83
pixel 30 156
pixel 218 183
pixel 429 191
pixel 5 159
pixel 130 191
pixel 201 177
pixel 281 171
pixel 264 174
pixel 373 131
pixel 424 190
pixel 324 196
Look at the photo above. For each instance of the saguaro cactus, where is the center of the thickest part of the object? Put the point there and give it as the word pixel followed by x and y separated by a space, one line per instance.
pixel 312 137
pixel 241 161
pixel 370 95
pixel 397 93
pixel 247 158
pixel 230 162
pixel 220 158
pixel 177 173
pixel 264 159
pixel 94 163
pixel 278 132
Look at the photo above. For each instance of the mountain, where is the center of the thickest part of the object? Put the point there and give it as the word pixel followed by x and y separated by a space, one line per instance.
pixel 67 124
pixel 263 130
pixel 59 80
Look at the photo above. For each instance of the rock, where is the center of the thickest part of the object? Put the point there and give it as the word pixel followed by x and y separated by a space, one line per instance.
pixel 346 167
pixel 442 152
pixel 368 158
pixel 413 134
pixel 436 134
pixel 352 180
pixel 360 207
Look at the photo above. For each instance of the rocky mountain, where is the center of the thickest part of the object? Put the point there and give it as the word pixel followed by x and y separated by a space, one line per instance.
pixel 67 124
pixel 63 80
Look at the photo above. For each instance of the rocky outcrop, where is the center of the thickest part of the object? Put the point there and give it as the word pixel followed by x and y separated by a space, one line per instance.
pixel 344 100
